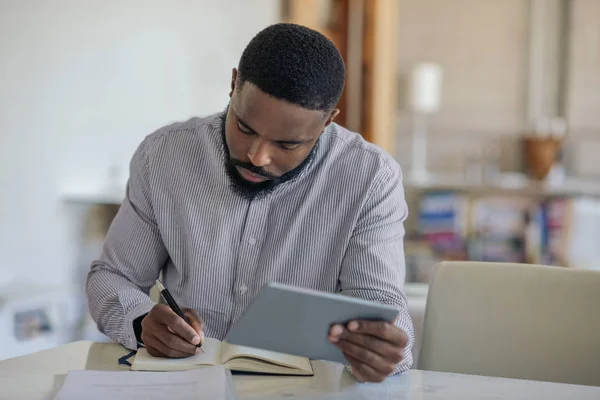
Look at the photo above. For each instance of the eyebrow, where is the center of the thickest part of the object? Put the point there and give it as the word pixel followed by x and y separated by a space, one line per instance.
pixel 245 125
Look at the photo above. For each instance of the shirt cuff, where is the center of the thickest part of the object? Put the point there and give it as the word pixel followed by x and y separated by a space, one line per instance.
pixel 130 339
pixel 137 329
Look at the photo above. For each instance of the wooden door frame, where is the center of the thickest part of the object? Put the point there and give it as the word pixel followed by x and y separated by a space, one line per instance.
pixel 370 54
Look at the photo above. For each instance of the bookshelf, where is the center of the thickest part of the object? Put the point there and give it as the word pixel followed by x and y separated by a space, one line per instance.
pixel 508 220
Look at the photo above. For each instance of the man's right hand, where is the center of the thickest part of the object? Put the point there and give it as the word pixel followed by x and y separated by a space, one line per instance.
pixel 166 334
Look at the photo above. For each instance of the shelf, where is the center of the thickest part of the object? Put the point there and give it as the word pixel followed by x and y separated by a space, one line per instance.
pixel 94 196
pixel 508 184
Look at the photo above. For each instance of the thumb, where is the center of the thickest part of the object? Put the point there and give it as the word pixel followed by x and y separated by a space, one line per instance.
pixel 195 321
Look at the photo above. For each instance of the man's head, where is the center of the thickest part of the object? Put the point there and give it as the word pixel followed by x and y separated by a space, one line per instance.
pixel 283 95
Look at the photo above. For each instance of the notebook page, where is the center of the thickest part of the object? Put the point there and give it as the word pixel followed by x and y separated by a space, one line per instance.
pixel 231 351
pixel 211 356
pixel 207 383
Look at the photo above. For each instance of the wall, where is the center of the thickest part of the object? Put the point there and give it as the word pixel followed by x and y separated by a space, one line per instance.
pixel 500 72
pixel 583 90
pixel 482 48
pixel 81 83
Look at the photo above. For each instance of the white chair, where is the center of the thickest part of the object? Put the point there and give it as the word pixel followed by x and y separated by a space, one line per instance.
pixel 513 320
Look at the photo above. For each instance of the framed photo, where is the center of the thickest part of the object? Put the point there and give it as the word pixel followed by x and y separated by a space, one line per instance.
pixel 30 324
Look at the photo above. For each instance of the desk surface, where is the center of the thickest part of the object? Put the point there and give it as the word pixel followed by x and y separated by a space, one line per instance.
pixel 39 375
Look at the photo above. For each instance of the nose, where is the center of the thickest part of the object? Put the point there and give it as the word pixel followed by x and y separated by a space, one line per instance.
pixel 259 153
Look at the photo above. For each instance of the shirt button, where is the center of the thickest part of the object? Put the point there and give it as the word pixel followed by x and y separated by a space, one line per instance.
pixel 243 289
pixel 252 241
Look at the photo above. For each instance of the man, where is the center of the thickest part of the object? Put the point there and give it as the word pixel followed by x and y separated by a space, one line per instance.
pixel 270 189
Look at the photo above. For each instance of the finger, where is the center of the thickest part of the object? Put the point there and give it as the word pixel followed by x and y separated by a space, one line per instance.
pixel 385 349
pixel 179 326
pixel 195 321
pixel 176 343
pixel 367 357
pixel 380 329
pixel 335 332
pixel 157 348
pixel 364 372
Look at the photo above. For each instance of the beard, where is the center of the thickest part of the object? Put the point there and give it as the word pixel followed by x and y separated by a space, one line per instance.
pixel 251 190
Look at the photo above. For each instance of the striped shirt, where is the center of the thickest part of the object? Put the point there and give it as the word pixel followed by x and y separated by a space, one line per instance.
pixel 336 227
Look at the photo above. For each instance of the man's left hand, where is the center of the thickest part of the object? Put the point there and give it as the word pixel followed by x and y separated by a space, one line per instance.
pixel 372 348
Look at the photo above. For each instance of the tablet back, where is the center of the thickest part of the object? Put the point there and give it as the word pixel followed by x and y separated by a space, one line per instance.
pixel 296 321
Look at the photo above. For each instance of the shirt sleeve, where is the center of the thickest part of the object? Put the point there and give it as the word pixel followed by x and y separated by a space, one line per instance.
pixel 133 255
pixel 373 267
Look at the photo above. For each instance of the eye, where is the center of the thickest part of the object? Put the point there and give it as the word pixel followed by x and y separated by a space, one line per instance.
pixel 289 146
pixel 244 130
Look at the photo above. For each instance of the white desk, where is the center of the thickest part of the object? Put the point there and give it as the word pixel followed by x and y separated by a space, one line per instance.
pixel 39 375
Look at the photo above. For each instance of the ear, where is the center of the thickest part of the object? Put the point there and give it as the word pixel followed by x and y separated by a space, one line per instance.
pixel 331 117
pixel 233 79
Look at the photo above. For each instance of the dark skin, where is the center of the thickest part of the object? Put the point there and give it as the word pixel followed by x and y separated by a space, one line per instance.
pixel 373 348
pixel 166 334
pixel 270 133
pixel 277 136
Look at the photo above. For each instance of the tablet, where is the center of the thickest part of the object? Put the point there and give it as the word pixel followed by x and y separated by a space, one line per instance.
pixel 296 321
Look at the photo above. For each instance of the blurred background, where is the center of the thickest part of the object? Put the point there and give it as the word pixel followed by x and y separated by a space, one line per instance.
pixel 491 107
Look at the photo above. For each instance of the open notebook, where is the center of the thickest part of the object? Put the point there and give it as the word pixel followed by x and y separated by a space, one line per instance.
pixel 232 357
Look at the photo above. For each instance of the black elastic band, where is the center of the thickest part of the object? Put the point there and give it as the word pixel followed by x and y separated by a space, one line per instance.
pixel 124 360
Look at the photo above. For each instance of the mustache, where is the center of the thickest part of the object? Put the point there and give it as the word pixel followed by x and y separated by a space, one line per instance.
pixel 252 168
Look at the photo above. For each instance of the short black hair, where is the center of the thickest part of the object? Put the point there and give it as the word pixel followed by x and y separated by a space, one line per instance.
pixel 294 63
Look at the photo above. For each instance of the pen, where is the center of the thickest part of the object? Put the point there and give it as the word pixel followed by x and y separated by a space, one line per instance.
pixel 174 306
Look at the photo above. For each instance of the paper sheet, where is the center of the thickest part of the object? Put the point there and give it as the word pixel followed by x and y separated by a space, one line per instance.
pixel 207 383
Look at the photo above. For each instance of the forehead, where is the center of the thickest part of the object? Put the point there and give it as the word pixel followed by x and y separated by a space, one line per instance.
pixel 273 118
